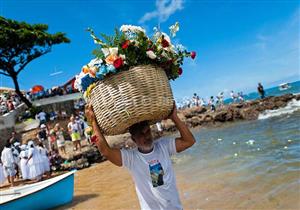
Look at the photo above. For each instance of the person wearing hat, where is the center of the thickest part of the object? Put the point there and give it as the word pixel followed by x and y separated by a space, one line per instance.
pixel 24 167
pixel 8 162
pixel 34 163
pixel 43 135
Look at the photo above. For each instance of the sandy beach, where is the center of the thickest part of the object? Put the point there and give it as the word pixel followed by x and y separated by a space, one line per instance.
pixel 103 186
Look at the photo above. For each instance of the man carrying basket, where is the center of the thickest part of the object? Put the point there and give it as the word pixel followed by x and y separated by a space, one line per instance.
pixel 149 163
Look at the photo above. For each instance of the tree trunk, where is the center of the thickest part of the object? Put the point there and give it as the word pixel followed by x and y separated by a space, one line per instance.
pixel 23 98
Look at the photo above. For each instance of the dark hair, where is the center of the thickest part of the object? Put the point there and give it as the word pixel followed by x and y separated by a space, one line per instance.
pixel 8 144
pixel 137 127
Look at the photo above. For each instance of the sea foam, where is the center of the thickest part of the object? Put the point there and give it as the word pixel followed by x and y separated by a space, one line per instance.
pixel 291 107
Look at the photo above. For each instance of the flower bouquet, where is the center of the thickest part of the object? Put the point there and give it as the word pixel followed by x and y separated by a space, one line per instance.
pixel 128 81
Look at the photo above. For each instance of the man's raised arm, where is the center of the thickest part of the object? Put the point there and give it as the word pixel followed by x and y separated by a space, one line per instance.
pixel 186 138
pixel 113 155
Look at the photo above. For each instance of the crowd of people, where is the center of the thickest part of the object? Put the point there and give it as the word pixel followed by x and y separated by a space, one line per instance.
pixel 32 161
pixel 27 162
pixel 214 102
pixel 54 91
pixel 8 102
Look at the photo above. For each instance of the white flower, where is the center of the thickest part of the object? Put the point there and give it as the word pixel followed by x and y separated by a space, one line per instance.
pixel 180 47
pixel 113 51
pixel 122 56
pixel 95 62
pixel 77 83
pixel 105 51
pixel 151 54
pixel 135 29
pixel 173 29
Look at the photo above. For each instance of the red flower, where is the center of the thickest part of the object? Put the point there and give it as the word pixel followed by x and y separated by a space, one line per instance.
pixel 179 71
pixel 94 139
pixel 164 43
pixel 125 44
pixel 118 63
pixel 193 54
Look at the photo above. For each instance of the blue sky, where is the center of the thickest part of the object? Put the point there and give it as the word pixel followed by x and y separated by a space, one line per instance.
pixel 238 43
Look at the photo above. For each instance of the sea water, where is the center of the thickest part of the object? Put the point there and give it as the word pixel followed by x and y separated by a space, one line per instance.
pixel 244 165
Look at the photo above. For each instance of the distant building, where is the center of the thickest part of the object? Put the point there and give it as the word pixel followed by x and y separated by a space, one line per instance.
pixel 9 90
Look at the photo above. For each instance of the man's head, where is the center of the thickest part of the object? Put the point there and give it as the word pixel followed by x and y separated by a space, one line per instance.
pixel 13 134
pixel 43 126
pixel 141 135
pixel 72 119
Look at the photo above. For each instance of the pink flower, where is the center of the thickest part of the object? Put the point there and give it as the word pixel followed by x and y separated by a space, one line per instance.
pixel 179 71
pixel 193 54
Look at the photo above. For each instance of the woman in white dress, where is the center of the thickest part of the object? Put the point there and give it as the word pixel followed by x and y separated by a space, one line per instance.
pixel 2 177
pixel 45 163
pixel 34 162
pixel 24 167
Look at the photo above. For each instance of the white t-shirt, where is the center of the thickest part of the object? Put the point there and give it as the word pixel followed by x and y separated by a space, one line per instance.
pixel 74 127
pixel 42 116
pixel 153 175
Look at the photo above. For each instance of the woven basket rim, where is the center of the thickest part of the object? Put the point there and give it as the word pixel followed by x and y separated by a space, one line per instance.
pixel 132 67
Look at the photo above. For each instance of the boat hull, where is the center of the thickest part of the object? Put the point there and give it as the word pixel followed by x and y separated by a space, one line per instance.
pixel 59 193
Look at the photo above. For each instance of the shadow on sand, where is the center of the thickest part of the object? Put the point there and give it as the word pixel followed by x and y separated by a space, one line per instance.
pixel 76 200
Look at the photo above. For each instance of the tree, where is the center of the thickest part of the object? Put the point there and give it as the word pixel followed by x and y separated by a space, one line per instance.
pixel 20 43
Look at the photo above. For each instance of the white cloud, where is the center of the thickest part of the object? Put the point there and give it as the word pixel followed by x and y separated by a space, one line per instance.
pixel 164 9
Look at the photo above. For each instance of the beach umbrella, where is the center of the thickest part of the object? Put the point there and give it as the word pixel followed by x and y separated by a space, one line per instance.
pixel 37 88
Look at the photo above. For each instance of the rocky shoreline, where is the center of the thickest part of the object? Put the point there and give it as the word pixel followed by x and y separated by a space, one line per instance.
pixel 249 110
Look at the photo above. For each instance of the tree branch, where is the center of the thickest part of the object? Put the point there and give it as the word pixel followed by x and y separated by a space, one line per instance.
pixel 4 74
pixel 30 59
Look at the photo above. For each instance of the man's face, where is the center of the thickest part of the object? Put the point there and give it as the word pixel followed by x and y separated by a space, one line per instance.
pixel 143 139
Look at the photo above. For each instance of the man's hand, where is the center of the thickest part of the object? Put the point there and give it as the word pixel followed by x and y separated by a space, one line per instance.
pixel 89 113
pixel 173 115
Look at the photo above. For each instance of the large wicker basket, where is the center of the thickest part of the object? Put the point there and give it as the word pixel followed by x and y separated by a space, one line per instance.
pixel 139 94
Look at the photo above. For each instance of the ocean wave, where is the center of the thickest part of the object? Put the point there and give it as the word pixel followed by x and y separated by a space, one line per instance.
pixel 291 107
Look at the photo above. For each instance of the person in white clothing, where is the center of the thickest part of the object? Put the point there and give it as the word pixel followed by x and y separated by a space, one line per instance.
pixel 24 167
pixel 34 162
pixel 74 131
pixel 2 176
pixel 45 163
pixel 8 162
pixel 149 164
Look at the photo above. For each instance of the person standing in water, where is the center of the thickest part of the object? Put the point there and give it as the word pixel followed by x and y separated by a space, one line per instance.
pixel 261 90
pixel 149 164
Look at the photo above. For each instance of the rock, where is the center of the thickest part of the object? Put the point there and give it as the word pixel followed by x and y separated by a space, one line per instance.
pixel 220 116
pixel 189 113
pixel 249 114
pixel 194 121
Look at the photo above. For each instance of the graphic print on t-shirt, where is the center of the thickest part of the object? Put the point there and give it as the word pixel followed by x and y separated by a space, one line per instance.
pixel 156 173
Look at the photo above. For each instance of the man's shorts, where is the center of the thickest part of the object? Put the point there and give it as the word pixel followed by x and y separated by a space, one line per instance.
pixel 75 136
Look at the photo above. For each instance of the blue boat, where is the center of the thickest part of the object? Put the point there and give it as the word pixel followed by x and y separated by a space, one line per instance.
pixel 42 195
